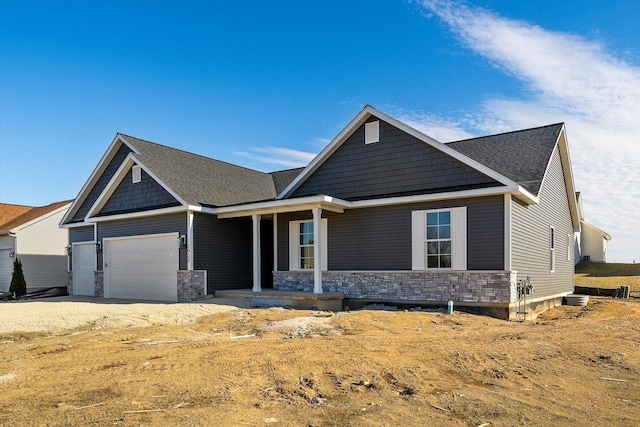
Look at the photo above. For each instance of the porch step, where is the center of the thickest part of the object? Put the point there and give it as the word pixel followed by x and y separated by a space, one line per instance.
pixel 328 301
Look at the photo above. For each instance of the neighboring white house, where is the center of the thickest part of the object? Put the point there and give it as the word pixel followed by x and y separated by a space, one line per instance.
pixel 36 239
pixel 593 242
pixel 590 243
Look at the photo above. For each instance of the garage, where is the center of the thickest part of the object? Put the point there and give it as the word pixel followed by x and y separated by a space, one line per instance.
pixel 6 269
pixel 143 267
pixel 84 263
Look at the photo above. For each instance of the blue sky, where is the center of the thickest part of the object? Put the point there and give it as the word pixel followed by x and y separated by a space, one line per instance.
pixel 266 84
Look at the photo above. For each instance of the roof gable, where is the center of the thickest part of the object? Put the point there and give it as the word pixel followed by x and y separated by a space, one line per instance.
pixel 399 164
pixel 367 112
pixel 135 197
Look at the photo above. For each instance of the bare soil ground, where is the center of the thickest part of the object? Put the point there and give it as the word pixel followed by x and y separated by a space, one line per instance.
pixel 572 366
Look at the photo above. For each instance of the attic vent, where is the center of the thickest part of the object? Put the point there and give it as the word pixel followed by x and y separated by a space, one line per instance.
pixel 136 172
pixel 372 132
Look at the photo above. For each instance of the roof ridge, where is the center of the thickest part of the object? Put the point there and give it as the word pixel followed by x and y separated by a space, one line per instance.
pixel 286 170
pixel 193 154
pixel 505 133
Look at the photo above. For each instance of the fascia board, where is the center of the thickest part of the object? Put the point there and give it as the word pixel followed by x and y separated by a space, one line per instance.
pixel 97 171
pixel 41 217
pixel 117 178
pixel 277 206
pixel 453 195
pixel 565 160
pixel 141 214
pixel 568 177
pixel 77 224
pixel 357 121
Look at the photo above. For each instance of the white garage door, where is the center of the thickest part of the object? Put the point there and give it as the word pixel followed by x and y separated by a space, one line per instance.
pixel 6 270
pixel 141 268
pixel 84 261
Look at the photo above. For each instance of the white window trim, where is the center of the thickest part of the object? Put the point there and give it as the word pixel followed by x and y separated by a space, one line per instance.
pixel 294 245
pixel 552 249
pixel 136 173
pixel 458 239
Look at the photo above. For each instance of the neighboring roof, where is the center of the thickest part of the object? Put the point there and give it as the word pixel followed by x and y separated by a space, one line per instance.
pixel 200 180
pixel 9 212
pixel 521 156
pixel 32 214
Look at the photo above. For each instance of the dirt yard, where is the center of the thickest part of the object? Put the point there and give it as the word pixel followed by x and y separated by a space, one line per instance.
pixel 202 364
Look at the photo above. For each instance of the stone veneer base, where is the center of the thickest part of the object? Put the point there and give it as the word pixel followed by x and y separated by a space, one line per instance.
pixel 407 286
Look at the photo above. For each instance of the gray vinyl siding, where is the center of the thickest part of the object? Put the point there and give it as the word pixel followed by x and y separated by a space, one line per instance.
pixel 44 271
pixel 76 235
pixel 101 183
pixel 81 234
pixel 380 238
pixel 224 249
pixel 174 223
pixel 398 164
pixel 144 195
pixel 531 231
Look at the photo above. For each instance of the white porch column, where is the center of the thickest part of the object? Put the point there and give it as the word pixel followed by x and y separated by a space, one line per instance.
pixel 317 250
pixel 257 286
pixel 189 241
pixel 275 242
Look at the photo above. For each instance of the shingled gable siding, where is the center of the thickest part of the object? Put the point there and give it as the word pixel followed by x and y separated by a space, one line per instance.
pixel 374 239
pixel 530 236
pixel 101 183
pixel 224 249
pixel 174 223
pixel 144 195
pixel 398 164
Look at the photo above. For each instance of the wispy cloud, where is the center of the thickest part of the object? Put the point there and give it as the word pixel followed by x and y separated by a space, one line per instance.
pixel 571 79
pixel 278 156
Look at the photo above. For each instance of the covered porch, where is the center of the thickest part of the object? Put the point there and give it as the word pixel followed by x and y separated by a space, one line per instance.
pixel 307 251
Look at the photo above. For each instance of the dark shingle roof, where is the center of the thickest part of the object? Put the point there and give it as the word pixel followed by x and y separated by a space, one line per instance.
pixel 208 182
pixel 283 178
pixel 521 156
pixel 203 181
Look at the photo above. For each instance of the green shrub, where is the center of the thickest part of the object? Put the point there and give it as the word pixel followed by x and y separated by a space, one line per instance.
pixel 18 284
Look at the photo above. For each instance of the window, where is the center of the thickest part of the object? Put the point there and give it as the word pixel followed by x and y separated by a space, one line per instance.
pixel 301 245
pixel 439 239
pixel 372 132
pixel 136 173
pixel 552 248
pixel 569 246
pixel 305 232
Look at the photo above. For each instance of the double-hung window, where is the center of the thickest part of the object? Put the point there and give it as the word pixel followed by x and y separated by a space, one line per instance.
pixel 439 239
pixel 302 245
